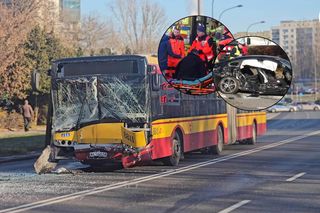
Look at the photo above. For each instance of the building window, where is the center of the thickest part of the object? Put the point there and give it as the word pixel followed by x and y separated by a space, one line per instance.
pixel 70 10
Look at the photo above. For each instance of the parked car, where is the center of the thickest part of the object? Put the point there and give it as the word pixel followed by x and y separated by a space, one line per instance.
pixel 257 74
pixel 287 100
pixel 307 105
pixel 282 107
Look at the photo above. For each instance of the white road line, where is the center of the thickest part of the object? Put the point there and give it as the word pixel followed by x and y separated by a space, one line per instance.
pixel 270 116
pixel 100 189
pixel 295 177
pixel 235 206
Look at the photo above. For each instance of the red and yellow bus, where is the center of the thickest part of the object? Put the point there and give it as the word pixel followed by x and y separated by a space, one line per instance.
pixel 121 108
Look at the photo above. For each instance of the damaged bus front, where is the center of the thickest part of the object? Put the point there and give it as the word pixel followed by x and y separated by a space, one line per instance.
pixel 100 109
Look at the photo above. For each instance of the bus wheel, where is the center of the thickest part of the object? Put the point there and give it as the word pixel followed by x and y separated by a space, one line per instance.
pixel 174 159
pixel 253 140
pixel 229 85
pixel 217 149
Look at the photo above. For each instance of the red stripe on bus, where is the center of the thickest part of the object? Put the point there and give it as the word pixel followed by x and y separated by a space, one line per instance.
pixel 261 128
pixel 244 132
pixel 161 147
pixel 199 140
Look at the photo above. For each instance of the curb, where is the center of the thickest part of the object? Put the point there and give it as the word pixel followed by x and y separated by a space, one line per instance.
pixel 32 155
pixel 271 116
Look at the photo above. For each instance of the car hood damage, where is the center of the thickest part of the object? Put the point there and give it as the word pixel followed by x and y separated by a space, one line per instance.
pixel 257 74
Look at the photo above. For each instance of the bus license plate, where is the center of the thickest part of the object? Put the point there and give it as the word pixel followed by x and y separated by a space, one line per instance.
pixel 98 154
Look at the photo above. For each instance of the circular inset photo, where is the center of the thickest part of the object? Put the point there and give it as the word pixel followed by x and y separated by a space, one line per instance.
pixel 252 73
pixel 187 52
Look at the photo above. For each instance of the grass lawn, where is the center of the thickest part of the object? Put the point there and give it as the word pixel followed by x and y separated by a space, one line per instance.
pixel 15 145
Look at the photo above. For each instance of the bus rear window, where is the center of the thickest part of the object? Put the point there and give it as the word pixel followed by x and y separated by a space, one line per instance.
pixel 98 67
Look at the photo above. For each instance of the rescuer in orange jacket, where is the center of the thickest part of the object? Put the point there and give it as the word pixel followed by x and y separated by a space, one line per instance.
pixel 176 43
pixel 203 44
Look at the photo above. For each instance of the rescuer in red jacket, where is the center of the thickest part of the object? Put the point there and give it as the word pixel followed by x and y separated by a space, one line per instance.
pixel 243 48
pixel 204 45
pixel 176 43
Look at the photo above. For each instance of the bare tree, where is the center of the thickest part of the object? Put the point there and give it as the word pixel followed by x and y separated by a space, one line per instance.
pixel 141 24
pixel 16 20
pixel 95 34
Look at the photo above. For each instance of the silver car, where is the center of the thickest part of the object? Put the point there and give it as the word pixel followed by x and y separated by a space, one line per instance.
pixel 307 106
pixel 282 107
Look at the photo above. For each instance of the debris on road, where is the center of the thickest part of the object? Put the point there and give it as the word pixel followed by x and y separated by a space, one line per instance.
pixel 63 170
pixel 43 165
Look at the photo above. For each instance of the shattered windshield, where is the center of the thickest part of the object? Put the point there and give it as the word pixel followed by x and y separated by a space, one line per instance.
pixel 120 98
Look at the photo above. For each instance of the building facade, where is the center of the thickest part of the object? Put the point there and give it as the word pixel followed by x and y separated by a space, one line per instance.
pixel 59 16
pixel 300 40
pixel 265 34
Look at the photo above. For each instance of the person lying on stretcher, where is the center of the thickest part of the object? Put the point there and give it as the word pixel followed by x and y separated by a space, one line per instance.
pixel 192 75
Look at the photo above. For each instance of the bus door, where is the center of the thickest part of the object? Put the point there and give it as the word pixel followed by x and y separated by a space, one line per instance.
pixel 232 123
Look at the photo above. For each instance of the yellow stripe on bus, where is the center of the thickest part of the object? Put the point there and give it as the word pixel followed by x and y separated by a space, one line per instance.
pixel 164 127
pixel 246 119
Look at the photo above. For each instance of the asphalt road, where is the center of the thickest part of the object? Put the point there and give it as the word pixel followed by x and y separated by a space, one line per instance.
pixel 247 101
pixel 280 174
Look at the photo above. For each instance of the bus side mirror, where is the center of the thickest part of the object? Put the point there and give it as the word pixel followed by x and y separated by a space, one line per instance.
pixel 155 78
pixel 35 80
pixel 49 72
pixel 155 82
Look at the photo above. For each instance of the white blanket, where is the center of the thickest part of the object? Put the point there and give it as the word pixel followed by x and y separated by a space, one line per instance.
pixel 265 64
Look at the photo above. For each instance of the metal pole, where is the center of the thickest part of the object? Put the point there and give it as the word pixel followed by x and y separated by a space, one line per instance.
pixel 255 23
pixel 219 19
pixel 212 3
pixel 315 73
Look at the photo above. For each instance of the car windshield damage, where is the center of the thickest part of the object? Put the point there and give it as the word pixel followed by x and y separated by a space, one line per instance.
pixel 77 101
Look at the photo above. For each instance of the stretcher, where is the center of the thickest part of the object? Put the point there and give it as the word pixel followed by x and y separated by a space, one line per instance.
pixel 199 86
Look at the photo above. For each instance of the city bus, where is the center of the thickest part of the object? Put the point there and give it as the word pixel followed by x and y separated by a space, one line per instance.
pixel 121 109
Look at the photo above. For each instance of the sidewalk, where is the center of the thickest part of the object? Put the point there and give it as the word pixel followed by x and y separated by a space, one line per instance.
pixel 32 155
pixel 36 130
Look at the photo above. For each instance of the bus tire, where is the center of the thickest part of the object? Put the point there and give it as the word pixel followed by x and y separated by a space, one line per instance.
pixel 217 149
pixel 174 159
pixel 253 140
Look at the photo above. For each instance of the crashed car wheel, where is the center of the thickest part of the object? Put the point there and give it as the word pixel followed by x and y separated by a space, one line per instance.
pixel 229 85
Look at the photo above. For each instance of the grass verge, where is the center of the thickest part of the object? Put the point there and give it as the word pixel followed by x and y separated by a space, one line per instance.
pixel 21 145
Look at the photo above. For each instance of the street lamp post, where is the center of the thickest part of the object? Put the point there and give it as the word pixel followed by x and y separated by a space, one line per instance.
pixel 212 3
pixel 259 22
pixel 219 19
pixel 315 74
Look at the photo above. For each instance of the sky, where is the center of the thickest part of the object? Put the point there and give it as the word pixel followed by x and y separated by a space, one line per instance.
pixel 237 20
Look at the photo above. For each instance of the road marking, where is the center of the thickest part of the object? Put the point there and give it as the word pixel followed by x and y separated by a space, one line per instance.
pixel 295 177
pixel 100 189
pixel 271 116
pixel 235 206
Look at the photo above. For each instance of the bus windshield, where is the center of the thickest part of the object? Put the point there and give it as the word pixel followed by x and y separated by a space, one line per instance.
pixel 105 98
